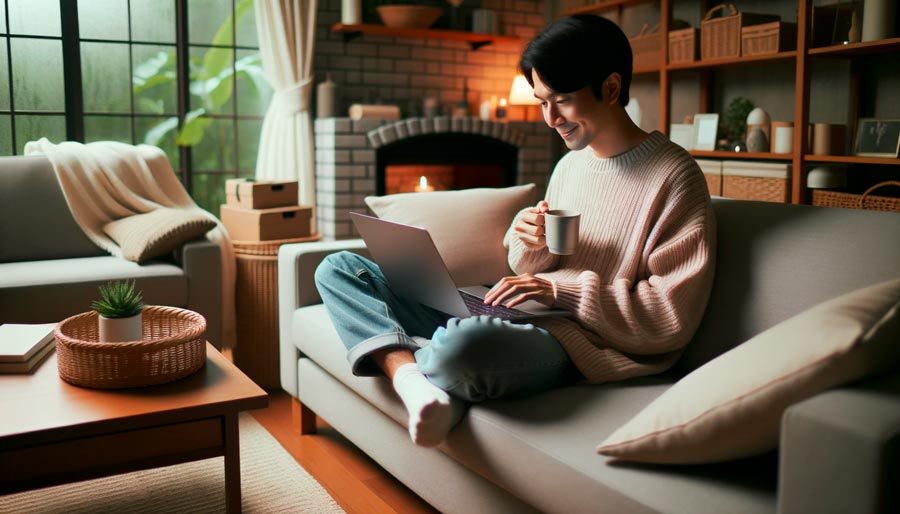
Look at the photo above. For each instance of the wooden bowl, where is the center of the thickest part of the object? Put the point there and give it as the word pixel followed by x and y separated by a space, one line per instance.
pixel 409 16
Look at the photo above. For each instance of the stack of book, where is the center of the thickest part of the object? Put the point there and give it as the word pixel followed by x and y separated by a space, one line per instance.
pixel 22 347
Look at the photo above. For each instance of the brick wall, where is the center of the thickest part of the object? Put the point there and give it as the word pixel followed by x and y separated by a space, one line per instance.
pixel 345 160
pixel 404 71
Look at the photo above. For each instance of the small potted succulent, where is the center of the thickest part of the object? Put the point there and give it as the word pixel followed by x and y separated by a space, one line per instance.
pixel 119 309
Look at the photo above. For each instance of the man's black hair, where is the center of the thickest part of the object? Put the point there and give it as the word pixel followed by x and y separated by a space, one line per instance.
pixel 579 51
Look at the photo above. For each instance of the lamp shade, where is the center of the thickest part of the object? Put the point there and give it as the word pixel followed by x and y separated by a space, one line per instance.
pixel 521 93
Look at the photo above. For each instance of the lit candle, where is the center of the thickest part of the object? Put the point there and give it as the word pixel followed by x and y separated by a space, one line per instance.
pixel 423 185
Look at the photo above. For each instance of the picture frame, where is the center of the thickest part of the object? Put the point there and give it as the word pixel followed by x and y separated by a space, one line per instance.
pixel 706 130
pixel 877 137
pixel 682 134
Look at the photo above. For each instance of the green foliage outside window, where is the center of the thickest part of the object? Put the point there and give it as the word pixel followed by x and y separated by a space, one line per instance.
pixel 212 80
pixel 208 127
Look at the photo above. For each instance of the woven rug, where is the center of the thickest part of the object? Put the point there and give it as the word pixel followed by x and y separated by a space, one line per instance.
pixel 271 482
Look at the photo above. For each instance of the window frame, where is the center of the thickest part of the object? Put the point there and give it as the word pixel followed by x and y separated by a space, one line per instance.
pixel 74 112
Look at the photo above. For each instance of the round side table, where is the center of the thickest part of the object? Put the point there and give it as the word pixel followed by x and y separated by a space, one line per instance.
pixel 256 302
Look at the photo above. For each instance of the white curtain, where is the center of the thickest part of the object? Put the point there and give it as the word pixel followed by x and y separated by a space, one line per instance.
pixel 286 31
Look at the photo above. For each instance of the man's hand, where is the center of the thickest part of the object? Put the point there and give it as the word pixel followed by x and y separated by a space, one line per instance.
pixel 530 226
pixel 511 291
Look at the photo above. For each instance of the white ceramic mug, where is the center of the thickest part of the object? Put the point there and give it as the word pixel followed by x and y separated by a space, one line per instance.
pixel 561 231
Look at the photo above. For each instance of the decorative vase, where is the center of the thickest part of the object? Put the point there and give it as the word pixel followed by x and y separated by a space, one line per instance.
pixel 757 141
pixel 326 98
pixel 120 330
pixel 878 19
pixel 351 12
pixel 853 33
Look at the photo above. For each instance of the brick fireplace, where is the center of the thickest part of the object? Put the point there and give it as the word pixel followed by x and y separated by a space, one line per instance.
pixel 351 161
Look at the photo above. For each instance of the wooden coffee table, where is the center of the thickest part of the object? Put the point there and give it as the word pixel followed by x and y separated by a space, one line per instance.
pixel 52 432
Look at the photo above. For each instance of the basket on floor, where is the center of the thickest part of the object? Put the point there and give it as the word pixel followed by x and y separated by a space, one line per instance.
pixel 173 346
pixel 866 200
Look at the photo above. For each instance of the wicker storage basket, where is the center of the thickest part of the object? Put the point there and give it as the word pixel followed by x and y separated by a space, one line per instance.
pixel 256 299
pixel 768 38
pixel 712 172
pixel 761 181
pixel 172 347
pixel 720 38
pixel 683 45
pixel 866 200
pixel 647 47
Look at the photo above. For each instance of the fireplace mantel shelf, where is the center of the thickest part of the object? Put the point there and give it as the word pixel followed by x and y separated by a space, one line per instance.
pixel 476 40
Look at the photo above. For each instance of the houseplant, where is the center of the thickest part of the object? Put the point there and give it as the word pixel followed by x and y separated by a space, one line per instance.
pixel 734 123
pixel 119 309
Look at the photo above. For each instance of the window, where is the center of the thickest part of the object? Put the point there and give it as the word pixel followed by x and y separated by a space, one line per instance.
pixel 184 75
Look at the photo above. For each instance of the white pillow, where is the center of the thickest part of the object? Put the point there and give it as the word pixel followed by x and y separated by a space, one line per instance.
pixel 467 225
pixel 731 407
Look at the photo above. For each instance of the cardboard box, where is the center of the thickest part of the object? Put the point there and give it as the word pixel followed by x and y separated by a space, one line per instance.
pixel 250 194
pixel 267 224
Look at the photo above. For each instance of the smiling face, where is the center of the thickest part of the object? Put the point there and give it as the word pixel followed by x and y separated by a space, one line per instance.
pixel 578 117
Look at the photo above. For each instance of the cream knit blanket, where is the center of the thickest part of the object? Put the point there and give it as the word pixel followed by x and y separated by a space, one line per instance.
pixel 105 181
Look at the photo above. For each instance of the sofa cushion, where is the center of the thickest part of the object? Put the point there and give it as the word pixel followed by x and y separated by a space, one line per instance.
pixel 467 226
pixel 731 407
pixel 158 232
pixel 776 260
pixel 541 449
pixel 51 290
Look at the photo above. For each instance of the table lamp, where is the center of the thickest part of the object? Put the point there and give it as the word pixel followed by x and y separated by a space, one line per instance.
pixel 521 93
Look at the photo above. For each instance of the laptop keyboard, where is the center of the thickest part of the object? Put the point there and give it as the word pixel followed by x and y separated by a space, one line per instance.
pixel 477 307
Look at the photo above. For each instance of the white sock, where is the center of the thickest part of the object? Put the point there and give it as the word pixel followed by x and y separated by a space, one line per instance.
pixel 432 412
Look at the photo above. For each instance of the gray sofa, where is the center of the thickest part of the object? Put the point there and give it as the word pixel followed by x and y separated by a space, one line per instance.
pixel 839 451
pixel 50 270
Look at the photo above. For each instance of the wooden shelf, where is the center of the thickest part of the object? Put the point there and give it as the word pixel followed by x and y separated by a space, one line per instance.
pixel 852 159
pixel 800 61
pixel 476 40
pixel 725 154
pixel 853 49
pixel 606 5
pixel 733 61
pixel 646 70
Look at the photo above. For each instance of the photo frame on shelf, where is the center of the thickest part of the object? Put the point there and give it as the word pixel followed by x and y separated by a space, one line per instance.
pixel 877 137
pixel 706 130
pixel 682 134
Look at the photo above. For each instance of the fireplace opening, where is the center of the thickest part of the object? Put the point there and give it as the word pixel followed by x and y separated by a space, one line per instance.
pixel 444 161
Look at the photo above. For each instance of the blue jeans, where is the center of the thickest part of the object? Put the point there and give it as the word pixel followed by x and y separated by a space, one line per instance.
pixel 474 358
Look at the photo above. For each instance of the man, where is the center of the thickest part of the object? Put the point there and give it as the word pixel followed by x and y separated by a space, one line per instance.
pixel 636 286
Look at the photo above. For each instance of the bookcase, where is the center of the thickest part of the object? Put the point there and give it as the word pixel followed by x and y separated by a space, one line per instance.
pixel 856 80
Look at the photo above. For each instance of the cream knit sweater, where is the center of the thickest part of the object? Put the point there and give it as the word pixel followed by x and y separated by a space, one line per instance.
pixel 640 279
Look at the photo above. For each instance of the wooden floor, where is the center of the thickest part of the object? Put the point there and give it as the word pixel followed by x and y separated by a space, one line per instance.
pixel 354 480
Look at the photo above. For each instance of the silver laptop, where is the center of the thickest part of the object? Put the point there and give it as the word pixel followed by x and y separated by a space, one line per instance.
pixel 414 268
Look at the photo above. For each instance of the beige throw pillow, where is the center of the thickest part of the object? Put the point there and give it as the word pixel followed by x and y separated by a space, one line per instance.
pixel 158 232
pixel 467 225
pixel 731 407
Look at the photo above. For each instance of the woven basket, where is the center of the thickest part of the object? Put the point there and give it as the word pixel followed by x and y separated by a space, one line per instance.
pixel 172 347
pixel 647 47
pixel 720 38
pixel 768 38
pixel 761 189
pixel 683 45
pixel 866 200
